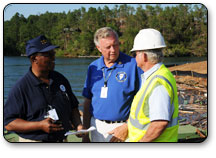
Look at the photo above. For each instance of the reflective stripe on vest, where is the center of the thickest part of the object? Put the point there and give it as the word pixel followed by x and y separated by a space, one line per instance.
pixel 135 122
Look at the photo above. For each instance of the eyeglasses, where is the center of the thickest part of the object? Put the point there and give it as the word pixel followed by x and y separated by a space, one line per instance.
pixel 135 53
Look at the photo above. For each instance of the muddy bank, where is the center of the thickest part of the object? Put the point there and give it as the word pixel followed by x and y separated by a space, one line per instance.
pixel 192 95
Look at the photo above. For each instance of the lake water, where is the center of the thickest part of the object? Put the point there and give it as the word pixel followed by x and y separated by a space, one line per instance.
pixel 74 69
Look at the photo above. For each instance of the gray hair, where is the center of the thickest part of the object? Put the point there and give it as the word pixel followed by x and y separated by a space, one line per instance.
pixel 103 33
pixel 154 55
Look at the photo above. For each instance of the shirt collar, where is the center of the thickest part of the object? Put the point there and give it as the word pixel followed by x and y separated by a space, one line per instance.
pixel 35 81
pixel 148 73
pixel 118 62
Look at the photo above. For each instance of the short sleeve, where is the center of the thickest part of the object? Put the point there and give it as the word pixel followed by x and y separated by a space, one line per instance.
pixel 14 106
pixel 159 104
pixel 87 86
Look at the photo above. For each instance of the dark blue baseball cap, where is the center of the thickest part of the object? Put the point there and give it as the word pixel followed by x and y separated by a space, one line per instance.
pixel 38 44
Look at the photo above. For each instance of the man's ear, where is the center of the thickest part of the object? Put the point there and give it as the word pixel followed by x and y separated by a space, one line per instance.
pixel 33 58
pixel 145 57
pixel 98 47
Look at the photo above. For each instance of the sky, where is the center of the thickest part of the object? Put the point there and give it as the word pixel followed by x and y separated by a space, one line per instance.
pixel 36 9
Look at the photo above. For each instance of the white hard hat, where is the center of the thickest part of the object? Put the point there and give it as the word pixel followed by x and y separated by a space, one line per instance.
pixel 148 39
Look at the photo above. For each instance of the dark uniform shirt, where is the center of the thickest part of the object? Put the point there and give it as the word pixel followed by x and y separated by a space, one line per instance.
pixel 29 100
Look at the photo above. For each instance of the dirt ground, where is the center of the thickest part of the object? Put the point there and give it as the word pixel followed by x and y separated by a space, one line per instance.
pixel 192 95
pixel 199 67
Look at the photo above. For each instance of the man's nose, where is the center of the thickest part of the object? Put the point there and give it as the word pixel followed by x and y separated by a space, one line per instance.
pixel 112 48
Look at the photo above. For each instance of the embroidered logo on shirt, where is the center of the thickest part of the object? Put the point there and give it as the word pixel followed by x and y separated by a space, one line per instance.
pixel 62 87
pixel 121 76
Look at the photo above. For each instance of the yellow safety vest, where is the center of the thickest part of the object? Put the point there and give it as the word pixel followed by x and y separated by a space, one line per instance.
pixel 139 115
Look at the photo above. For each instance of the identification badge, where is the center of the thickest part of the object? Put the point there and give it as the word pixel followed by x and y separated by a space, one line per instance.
pixel 53 115
pixel 104 91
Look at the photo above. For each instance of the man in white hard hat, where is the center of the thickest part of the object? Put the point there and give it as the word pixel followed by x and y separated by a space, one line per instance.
pixel 154 111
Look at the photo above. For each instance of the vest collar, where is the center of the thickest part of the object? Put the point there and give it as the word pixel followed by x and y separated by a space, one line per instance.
pixel 148 73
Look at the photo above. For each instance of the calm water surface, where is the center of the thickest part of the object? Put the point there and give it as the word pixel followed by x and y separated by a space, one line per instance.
pixel 74 69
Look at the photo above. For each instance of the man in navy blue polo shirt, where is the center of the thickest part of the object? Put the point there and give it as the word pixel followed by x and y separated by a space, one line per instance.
pixel 111 83
pixel 41 107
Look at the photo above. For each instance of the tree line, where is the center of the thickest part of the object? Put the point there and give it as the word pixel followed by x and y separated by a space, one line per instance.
pixel 183 26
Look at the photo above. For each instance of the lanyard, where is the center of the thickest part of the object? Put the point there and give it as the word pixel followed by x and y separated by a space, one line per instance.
pixel 106 79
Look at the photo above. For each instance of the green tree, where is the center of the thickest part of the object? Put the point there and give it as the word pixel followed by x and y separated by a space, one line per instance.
pixel 183 26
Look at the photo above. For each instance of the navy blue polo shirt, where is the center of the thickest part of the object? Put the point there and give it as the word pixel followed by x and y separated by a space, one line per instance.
pixel 29 100
pixel 123 84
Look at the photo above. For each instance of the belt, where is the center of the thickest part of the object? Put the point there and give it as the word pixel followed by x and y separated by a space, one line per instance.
pixel 111 122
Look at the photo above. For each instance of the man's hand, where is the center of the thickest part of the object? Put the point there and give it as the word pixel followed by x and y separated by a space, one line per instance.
pixel 47 125
pixel 120 133
pixel 80 127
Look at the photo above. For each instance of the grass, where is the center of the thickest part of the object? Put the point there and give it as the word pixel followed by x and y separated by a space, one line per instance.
pixel 12 137
pixel 186 133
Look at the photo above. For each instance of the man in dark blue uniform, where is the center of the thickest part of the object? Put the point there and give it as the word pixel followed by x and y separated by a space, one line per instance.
pixel 41 107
